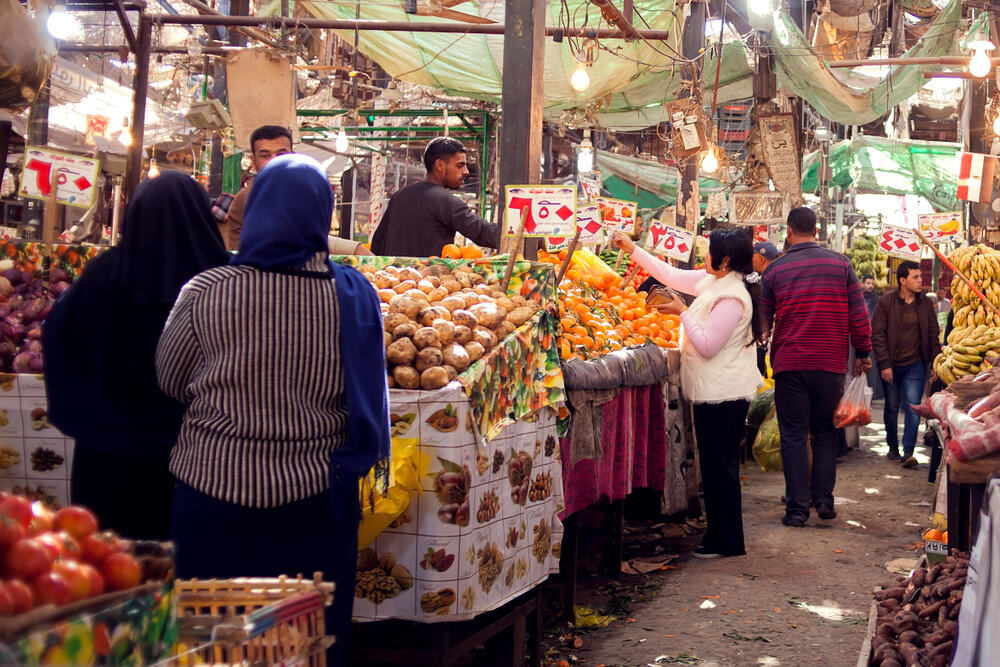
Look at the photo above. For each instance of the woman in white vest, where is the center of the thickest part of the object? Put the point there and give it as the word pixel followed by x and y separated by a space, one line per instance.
pixel 718 369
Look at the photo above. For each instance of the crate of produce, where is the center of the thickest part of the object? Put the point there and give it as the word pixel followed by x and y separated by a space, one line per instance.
pixel 252 621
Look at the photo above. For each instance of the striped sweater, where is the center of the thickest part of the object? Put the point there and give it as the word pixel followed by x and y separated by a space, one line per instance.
pixel 816 303
pixel 254 355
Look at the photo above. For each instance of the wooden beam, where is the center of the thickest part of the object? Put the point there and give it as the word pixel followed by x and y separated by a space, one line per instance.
pixel 140 88
pixel 521 127
pixel 692 42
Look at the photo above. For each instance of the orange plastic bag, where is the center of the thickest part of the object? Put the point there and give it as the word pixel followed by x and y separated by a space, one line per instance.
pixel 855 407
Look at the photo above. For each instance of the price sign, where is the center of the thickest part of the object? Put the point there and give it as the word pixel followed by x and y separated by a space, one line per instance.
pixel 551 210
pixel 899 242
pixel 75 176
pixel 619 214
pixel 674 242
pixel 588 219
pixel 590 187
pixel 554 245
pixel 941 227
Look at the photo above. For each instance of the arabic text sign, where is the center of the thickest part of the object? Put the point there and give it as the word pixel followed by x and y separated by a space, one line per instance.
pixel 619 214
pixel 590 187
pixel 551 210
pixel 674 242
pixel 899 242
pixel 941 227
pixel 75 176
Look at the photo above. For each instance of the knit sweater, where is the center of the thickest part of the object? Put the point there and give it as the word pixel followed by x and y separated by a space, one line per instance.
pixel 255 356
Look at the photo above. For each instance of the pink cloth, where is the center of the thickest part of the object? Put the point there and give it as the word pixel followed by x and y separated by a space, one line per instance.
pixel 634 451
pixel 722 321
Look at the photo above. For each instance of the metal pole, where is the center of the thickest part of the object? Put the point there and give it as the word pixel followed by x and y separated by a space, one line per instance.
pixel 884 62
pixel 693 40
pixel 140 86
pixel 38 135
pixel 400 26
pixel 116 208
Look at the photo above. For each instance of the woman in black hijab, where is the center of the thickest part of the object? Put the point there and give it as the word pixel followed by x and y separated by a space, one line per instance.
pixel 100 347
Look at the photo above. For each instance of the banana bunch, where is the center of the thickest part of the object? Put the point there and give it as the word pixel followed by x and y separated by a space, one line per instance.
pixel 868 260
pixel 982 265
pixel 968 351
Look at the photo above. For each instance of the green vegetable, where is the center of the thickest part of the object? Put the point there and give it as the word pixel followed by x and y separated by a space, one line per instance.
pixel 760 408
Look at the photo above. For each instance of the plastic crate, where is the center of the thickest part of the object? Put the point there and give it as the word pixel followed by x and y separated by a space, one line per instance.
pixel 250 621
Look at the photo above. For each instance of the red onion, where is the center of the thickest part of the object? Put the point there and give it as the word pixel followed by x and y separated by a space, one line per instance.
pixel 22 362
pixel 59 287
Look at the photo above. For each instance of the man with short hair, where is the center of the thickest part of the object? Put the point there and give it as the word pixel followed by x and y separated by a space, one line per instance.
pixel 905 339
pixel 764 253
pixel 813 297
pixel 268 142
pixel 423 217
pixel 871 297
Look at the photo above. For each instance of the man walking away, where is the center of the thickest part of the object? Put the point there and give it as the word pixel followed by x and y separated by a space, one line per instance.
pixel 814 299
pixel 905 340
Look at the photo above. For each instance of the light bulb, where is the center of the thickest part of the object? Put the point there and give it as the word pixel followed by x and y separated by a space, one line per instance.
pixel 996 125
pixel 125 138
pixel 193 45
pixel 341 143
pixel 585 159
pixel 580 79
pixel 61 24
pixel 154 171
pixel 759 7
pixel 710 163
pixel 980 63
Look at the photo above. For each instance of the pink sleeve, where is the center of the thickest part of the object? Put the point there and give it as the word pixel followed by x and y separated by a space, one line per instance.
pixel 676 279
pixel 721 323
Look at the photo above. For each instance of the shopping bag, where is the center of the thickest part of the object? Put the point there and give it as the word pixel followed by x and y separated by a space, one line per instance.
pixel 767 445
pixel 855 407
pixel 392 503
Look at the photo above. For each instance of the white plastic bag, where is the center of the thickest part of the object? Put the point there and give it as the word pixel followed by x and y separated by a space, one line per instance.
pixel 855 407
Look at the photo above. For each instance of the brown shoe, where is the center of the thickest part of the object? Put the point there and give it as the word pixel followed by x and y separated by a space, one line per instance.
pixel 909 462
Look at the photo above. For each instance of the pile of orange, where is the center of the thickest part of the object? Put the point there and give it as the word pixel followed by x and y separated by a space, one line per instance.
pixel 452 251
pixel 596 320
pixel 935 535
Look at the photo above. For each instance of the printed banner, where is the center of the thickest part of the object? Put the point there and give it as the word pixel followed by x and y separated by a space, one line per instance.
pixel 941 227
pixel 551 210
pixel 620 215
pixel 899 242
pixel 75 176
pixel 975 177
pixel 674 242
pixel 779 141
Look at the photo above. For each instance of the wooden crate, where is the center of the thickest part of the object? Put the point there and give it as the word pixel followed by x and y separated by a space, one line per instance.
pixel 249 621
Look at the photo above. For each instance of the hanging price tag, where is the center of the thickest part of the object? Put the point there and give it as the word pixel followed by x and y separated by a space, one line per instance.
pixel 551 210
pixel 941 227
pixel 674 242
pixel 619 214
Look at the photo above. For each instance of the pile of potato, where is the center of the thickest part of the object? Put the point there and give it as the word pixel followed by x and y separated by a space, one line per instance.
pixel 439 321
pixel 918 615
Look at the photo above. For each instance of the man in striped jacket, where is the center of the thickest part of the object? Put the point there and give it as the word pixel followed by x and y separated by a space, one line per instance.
pixel 813 297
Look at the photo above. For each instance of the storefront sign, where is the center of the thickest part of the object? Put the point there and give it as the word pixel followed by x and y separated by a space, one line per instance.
pixel 619 214
pixel 899 242
pixel 551 210
pixel 75 176
pixel 941 227
pixel 758 208
pixel 674 242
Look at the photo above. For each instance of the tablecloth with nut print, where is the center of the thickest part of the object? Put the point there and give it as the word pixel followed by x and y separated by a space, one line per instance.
pixel 484 527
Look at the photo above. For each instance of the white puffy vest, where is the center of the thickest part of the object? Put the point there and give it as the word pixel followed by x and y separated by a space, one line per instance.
pixel 732 373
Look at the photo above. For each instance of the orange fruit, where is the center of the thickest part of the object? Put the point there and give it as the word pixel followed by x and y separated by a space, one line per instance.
pixel 944 536
pixel 933 535
pixel 471 252
pixel 451 251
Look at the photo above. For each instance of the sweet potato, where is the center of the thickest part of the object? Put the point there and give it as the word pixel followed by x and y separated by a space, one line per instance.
pixel 932 574
pixel 909 653
pixel 918 577
pixel 932 609
pixel 942 649
pixel 912 637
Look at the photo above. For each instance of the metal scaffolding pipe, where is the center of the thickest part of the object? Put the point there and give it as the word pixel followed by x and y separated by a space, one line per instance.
pixel 885 62
pixel 96 48
pixel 396 26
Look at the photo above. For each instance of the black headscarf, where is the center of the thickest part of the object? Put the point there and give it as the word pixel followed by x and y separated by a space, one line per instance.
pixel 99 340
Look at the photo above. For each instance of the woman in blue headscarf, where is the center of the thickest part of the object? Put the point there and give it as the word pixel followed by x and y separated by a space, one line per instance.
pixel 287 404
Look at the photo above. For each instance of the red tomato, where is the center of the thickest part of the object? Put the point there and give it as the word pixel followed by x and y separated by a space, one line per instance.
pixel 20 594
pixel 41 519
pixel 71 548
pixel 50 588
pixel 11 531
pixel 4 496
pixel 76 577
pixel 6 604
pixel 76 521
pixel 26 559
pixel 53 544
pixel 97 547
pixel 96 580
pixel 121 571
pixel 17 508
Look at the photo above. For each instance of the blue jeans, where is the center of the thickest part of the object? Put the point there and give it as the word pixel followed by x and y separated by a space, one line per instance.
pixel 907 385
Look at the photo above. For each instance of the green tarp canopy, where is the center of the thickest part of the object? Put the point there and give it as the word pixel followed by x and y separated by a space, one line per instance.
pixel 656 183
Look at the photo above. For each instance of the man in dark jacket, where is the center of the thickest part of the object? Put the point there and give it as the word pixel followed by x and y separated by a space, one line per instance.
pixel 905 341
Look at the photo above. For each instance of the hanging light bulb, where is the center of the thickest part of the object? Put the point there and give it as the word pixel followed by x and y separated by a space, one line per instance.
pixel 125 138
pixel 61 24
pixel 580 79
pixel 759 7
pixel 585 154
pixel 341 143
pixel 710 162
pixel 154 170
pixel 980 64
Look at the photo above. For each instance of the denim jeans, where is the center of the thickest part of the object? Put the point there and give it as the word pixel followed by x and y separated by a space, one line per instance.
pixel 907 385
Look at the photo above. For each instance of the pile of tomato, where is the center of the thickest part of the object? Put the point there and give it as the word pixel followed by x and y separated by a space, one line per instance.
pixel 599 315
pixel 57 557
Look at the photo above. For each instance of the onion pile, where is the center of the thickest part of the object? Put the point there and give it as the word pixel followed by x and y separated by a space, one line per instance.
pixel 25 301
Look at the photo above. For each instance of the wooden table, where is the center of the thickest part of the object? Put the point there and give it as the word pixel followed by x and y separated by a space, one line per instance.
pixel 966 488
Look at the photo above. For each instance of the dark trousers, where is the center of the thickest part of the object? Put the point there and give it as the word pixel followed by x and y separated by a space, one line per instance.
pixel 719 428
pixel 131 497
pixel 223 540
pixel 805 401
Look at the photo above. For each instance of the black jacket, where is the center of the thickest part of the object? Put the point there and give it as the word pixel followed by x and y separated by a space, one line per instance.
pixel 888 320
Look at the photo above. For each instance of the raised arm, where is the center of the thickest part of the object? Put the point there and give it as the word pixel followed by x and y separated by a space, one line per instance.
pixel 177 352
pixel 676 279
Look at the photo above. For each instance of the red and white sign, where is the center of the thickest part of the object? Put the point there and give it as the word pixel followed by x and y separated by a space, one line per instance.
pixel 590 187
pixel 975 177
pixel 619 214
pixel 588 219
pixel 75 176
pixel 899 242
pixel 551 210
pixel 554 245
pixel 941 227
pixel 674 242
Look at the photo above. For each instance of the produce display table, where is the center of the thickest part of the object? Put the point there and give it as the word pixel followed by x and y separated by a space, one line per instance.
pixel 966 489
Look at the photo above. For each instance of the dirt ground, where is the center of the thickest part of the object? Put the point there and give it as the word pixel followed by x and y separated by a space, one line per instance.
pixel 799 596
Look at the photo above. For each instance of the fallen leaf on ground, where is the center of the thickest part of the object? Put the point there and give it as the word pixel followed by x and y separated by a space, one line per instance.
pixel 838 551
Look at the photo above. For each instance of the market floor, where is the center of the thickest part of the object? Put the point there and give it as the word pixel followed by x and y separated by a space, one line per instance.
pixel 799 596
